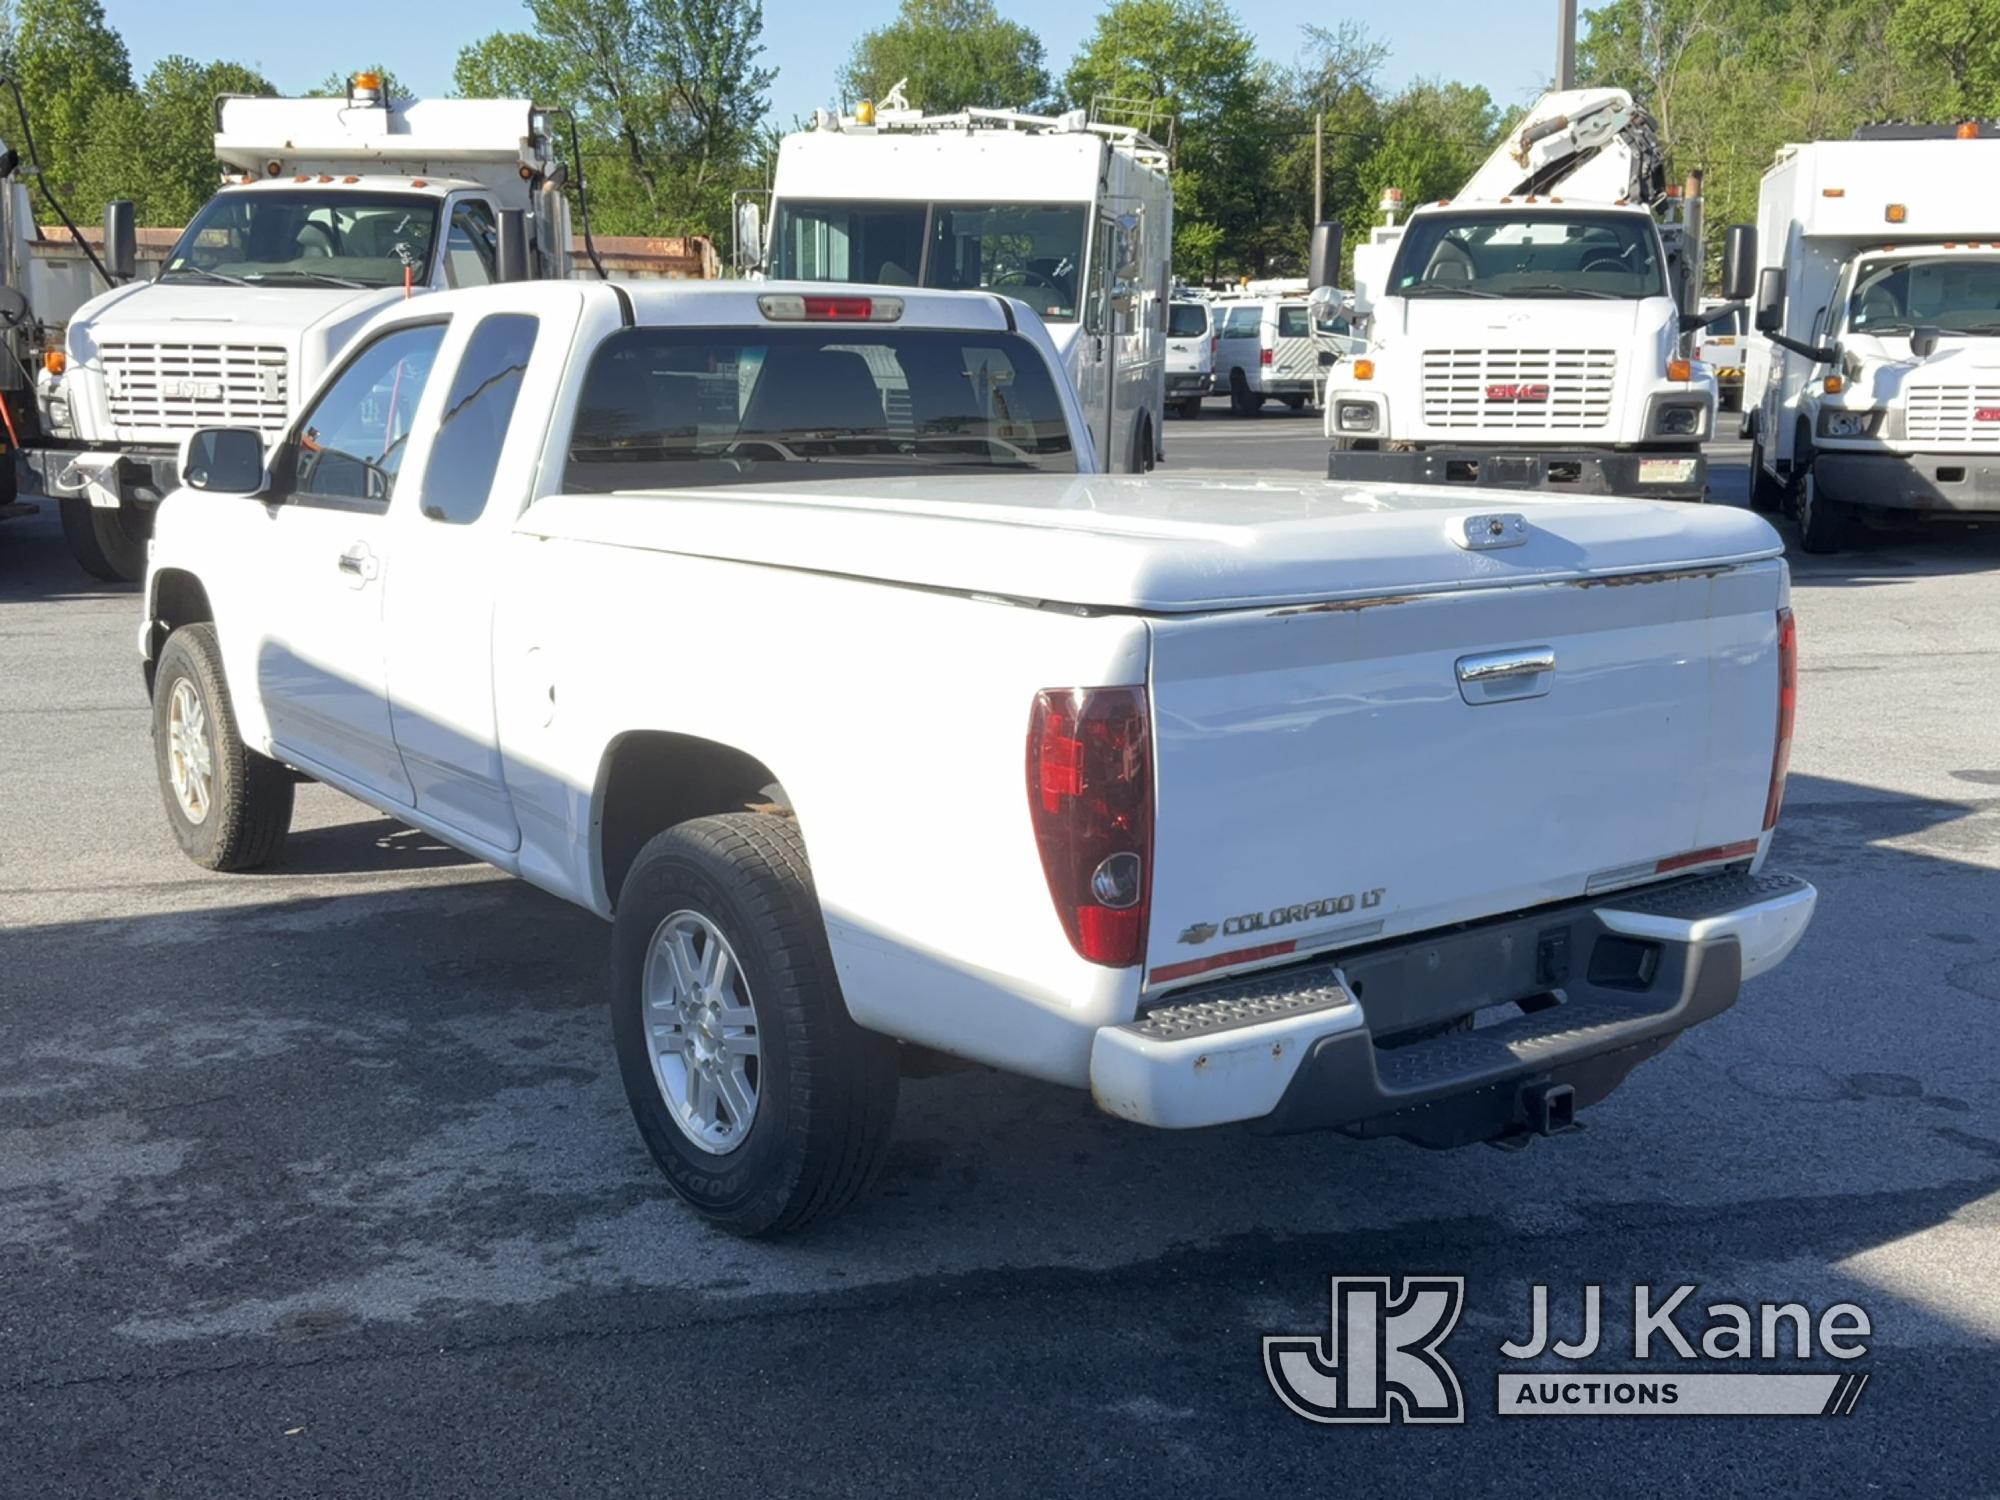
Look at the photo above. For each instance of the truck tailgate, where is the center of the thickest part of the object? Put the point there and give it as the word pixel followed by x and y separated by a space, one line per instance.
pixel 1340 773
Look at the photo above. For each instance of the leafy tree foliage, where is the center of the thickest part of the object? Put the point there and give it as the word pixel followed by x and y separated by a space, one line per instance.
pixel 956 54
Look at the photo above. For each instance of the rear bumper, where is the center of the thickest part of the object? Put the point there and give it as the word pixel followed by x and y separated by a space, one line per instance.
pixel 1189 383
pixel 1371 1042
pixel 1678 475
pixel 1951 484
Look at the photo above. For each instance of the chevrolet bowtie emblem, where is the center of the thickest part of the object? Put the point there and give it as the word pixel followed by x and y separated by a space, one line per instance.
pixel 1201 932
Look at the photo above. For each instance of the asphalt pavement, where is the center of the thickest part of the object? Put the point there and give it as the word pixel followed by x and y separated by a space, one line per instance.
pixel 321 1181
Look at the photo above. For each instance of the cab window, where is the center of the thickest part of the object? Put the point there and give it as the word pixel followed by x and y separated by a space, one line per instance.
pixel 478 409
pixel 471 249
pixel 350 444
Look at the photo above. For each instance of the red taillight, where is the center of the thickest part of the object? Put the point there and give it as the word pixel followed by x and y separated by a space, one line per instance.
pixel 1263 356
pixel 1788 703
pixel 1090 791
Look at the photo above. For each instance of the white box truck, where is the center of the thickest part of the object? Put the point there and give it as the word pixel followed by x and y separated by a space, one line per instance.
pixel 1530 331
pixel 1075 218
pixel 332 209
pixel 1875 393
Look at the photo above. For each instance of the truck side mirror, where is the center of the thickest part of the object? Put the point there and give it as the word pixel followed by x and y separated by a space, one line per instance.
pixel 223 460
pixel 513 256
pixel 1323 261
pixel 1739 262
pixel 1923 342
pixel 749 236
pixel 121 240
pixel 1770 299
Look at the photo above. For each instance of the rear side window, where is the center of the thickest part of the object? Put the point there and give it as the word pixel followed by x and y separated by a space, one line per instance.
pixel 465 454
pixel 1187 320
pixel 1293 323
pixel 1243 322
pixel 666 407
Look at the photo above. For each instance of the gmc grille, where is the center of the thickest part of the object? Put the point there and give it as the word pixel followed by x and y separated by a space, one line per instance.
pixel 1510 390
pixel 181 386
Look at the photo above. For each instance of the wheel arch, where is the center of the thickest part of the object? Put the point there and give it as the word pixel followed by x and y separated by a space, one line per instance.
pixel 178 598
pixel 649 780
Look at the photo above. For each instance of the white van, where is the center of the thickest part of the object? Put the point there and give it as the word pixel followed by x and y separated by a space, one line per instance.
pixel 1190 356
pixel 1265 349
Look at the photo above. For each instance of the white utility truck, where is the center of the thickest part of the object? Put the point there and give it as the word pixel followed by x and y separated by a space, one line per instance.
pixel 1720 343
pixel 1190 356
pixel 1075 219
pixel 333 209
pixel 1529 331
pixel 1878 391
pixel 1294 803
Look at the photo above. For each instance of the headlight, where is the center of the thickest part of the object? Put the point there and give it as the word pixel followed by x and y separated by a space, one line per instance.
pixel 1678 421
pixel 1355 416
pixel 1849 424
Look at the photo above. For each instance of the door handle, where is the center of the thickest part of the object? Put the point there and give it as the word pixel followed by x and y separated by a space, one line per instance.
pixel 350 563
pixel 358 562
pixel 1503 676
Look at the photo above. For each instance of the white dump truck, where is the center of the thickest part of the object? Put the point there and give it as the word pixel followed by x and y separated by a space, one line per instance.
pixel 1530 331
pixel 1073 217
pixel 1876 390
pixel 331 210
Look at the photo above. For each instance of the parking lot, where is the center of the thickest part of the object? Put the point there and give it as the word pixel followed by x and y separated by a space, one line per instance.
pixel 322 1178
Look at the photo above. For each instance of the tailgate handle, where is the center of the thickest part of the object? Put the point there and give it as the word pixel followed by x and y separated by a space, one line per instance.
pixel 1499 676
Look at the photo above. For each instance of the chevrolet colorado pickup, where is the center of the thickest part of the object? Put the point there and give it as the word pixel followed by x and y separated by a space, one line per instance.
pixel 798 634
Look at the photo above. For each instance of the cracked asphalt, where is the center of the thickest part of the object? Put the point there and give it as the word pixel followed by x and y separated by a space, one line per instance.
pixel 320 1181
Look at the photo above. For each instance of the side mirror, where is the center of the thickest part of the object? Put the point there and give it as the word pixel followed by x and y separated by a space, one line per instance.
pixel 1923 342
pixel 1739 262
pixel 513 245
pixel 1323 261
pixel 1770 299
pixel 121 240
pixel 749 235
pixel 223 460
pixel 1127 246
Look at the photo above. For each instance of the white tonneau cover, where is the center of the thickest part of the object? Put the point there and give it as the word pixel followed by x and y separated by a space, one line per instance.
pixel 1160 545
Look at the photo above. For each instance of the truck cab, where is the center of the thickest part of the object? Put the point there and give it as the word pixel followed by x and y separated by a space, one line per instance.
pixel 1070 216
pixel 333 211
pixel 1874 389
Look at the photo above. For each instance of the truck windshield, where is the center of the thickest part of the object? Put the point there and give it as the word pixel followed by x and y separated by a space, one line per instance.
pixel 1500 254
pixel 1187 320
pixel 1031 251
pixel 1957 294
pixel 304 238
pixel 679 407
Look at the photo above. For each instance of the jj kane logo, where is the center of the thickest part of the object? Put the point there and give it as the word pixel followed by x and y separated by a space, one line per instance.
pixel 1383 1359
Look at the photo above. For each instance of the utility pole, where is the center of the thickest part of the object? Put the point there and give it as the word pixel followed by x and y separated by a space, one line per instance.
pixel 1565 44
pixel 1319 175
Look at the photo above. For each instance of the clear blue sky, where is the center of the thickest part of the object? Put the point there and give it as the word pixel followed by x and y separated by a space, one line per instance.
pixel 1508 45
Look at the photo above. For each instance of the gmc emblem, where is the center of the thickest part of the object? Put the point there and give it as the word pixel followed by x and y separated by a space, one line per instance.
pixel 1517 393
pixel 1986 414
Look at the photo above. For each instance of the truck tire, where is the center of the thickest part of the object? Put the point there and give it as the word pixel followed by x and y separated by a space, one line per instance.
pixel 1142 447
pixel 1191 408
pixel 230 808
pixel 1766 494
pixel 764 1104
pixel 1296 403
pixel 1242 401
pixel 1824 525
pixel 110 544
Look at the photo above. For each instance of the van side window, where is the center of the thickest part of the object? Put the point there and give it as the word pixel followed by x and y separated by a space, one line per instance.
pixel 465 454
pixel 1244 322
pixel 471 250
pixel 350 445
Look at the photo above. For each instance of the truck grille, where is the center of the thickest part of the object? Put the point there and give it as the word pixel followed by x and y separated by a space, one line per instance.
pixel 1953 414
pixel 181 386
pixel 1511 390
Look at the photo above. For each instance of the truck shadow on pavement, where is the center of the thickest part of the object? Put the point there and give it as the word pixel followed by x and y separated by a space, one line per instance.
pixel 1878 558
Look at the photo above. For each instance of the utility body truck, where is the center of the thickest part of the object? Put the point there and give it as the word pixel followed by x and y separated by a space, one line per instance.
pixel 333 209
pixel 1073 218
pixel 797 631
pixel 1875 392
pixel 1529 331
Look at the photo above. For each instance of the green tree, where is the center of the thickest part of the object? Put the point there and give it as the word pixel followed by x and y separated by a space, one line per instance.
pixel 1189 63
pixel 178 101
pixel 956 54
pixel 1957 41
pixel 66 58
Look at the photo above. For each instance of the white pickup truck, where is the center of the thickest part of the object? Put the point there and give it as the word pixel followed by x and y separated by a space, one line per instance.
pixel 794 631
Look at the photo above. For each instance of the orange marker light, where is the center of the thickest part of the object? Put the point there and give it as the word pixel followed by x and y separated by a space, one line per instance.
pixel 55 361
pixel 1833 192
pixel 1969 131
pixel 1833 385
pixel 1896 213
pixel 1364 369
pixel 1679 369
